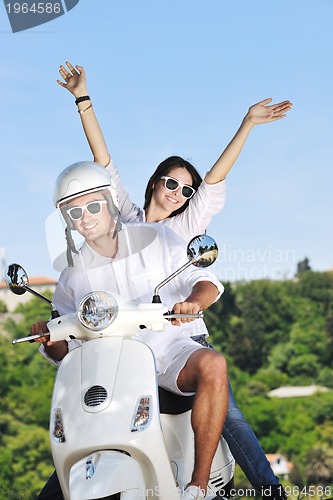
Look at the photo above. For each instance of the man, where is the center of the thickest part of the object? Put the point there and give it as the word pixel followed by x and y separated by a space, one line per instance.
pixel 131 261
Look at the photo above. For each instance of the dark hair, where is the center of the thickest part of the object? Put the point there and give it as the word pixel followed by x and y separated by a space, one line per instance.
pixel 163 169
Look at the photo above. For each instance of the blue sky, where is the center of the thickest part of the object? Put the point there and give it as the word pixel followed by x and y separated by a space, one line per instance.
pixel 176 77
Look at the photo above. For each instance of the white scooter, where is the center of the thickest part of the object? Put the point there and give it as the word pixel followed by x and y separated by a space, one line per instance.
pixel 113 433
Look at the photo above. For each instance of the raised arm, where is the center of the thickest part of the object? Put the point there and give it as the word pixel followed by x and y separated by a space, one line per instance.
pixel 75 79
pixel 258 113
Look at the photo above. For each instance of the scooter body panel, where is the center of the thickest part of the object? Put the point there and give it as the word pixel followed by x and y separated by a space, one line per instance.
pixel 125 369
pixel 179 439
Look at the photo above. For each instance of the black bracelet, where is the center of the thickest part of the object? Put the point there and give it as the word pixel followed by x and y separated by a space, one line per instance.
pixel 81 99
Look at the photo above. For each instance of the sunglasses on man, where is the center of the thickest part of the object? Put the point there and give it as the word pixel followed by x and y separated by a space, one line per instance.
pixel 93 207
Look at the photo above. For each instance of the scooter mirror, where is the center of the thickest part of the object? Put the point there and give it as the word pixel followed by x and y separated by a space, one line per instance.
pixel 202 251
pixel 18 282
pixel 16 279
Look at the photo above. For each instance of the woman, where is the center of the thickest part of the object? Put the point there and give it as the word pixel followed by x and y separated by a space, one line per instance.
pixel 177 196
pixel 187 216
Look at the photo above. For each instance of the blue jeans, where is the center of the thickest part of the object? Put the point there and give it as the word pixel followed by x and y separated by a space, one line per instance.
pixel 245 447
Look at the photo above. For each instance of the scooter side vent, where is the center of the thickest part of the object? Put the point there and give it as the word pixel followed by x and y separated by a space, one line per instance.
pixel 216 483
pixel 95 396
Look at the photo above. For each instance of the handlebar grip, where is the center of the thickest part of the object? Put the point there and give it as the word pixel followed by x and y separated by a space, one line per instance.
pixel 171 315
pixel 30 338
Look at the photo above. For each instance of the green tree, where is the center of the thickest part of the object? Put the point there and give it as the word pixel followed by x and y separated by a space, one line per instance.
pixel 303 266
pixel 28 453
pixel 304 365
pixel 319 468
pixel 308 347
pixel 329 328
pixel 271 378
pixel 26 382
pixel 3 307
pixel 265 315
pixel 217 317
pixel 308 332
pixel 316 286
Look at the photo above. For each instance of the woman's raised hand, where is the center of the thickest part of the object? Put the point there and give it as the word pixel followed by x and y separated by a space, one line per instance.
pixel 263 113
pixel 75 79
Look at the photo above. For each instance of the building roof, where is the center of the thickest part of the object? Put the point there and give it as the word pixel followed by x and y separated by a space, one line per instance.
pixel 271 457
pixel 296 391
pixel 279 463
pixel 37 281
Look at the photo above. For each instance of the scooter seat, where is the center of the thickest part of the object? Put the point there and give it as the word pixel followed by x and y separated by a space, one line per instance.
pixel 173 404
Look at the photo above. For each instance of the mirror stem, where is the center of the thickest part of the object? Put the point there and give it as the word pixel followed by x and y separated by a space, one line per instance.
pixel 55 313
pixel 156 297
pixel 36 294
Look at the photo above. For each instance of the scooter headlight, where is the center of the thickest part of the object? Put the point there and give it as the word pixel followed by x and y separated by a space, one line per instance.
pixel 97 310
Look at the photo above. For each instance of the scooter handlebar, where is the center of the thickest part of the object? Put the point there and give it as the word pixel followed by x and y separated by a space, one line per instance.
pixel 70 321
pixel 30 338
pixel 171 315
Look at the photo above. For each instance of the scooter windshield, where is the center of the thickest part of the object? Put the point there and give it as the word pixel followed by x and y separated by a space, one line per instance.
pixel 61 240
pixel 134 266
pixel 129 262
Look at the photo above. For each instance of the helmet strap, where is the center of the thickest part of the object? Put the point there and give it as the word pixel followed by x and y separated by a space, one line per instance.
pixel 70 246
pixel 118 226
pixel 114 212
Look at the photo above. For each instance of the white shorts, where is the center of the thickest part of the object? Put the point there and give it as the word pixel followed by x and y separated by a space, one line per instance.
pixel 168 379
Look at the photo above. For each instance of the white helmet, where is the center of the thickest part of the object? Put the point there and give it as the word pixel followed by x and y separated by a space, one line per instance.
pixel 81 178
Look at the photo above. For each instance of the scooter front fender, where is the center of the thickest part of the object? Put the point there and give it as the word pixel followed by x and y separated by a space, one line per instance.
pixel 105 473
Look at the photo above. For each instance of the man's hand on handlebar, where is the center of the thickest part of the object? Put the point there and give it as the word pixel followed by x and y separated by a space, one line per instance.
pixel 56 350
pixel 38 329
pixel 185 308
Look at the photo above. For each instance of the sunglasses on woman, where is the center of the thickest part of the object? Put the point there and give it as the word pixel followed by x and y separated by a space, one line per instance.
pixel 172 184
pixel 93 207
